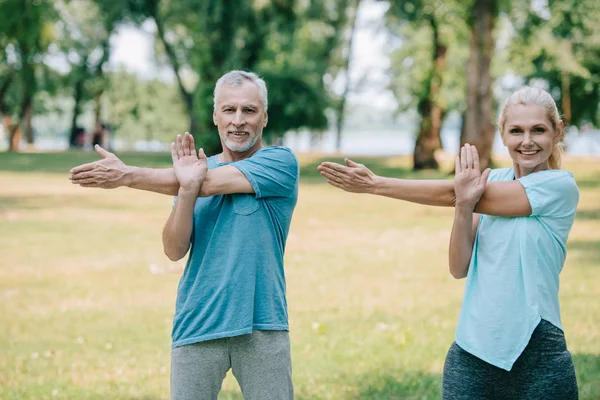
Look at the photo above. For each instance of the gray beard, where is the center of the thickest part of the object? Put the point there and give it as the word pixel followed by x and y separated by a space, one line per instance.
pixel 241 147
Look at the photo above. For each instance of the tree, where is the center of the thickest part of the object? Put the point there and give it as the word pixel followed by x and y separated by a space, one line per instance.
pixel 478 127
pixel 557 43
pixel 201 41
pixel 424 76
pixel 26 30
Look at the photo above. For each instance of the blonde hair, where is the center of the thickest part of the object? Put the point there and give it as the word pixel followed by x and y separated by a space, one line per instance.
pixel 535 96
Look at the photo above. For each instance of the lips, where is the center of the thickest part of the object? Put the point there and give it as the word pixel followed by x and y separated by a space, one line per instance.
pixel 528 152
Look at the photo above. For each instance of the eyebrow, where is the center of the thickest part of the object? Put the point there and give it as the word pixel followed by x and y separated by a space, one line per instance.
pixel 543 125
pixel 242 105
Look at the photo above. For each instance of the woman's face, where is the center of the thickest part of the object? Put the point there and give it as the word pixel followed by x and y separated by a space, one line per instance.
pixel 529 136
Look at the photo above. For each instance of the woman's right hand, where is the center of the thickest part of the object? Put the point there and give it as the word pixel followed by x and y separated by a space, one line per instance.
pixel 352 177
pixel 469 182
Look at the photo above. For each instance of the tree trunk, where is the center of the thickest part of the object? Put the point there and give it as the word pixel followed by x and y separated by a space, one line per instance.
pixel 566 97
pixel 342 103
pixel 27 125
pixel 77 96
pixel 478 128
pixel 432 114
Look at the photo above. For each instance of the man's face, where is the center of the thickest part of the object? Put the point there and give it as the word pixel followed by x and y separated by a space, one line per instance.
pixel 240 117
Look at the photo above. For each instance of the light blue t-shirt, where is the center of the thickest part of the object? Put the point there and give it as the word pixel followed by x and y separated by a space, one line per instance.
pixel 234 280
pixel 512 281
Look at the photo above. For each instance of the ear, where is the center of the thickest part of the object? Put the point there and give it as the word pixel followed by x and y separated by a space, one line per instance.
pixel 266 119
pixel 560 132
pixel 215 117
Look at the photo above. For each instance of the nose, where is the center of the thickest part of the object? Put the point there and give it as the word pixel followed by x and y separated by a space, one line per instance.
pixel 239 119
pixel 527 139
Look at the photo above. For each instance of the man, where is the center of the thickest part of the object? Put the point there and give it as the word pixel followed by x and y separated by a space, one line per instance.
pixel 236 207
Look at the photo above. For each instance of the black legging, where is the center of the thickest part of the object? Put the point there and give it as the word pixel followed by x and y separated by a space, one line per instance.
pixel 543 371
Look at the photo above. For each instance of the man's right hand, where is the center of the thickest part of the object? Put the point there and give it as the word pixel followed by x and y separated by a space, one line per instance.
pixel 107 173
pixel 190 168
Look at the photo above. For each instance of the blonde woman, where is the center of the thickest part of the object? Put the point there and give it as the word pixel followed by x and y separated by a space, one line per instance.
pixel 509 240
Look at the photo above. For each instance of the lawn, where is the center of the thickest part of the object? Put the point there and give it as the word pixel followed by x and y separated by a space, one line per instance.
pixel 87 295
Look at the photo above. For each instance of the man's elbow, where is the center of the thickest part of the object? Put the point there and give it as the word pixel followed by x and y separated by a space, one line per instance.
pixel 174 255
pixel 458 273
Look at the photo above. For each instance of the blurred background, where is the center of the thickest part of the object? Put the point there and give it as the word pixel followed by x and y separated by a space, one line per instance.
pixel 86 293
pixel 344 76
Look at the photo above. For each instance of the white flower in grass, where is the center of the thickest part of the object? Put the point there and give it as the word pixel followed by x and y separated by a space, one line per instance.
pixel 108 346
pixel 54 392
pixel 80 340
pixel 35 355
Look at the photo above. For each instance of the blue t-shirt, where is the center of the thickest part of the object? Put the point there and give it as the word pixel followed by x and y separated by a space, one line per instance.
pixel 234 280
pixel 512 281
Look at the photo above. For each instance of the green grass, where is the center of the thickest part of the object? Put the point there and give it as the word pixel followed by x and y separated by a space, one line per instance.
pixel 87 296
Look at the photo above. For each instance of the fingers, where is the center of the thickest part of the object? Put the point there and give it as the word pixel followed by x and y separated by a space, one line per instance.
pixel 179 146
pixel 333 166
pixel 191 143
pixel 174 155
pixel 351 163
pixel 330 175
pixel 463 158
pixel 103 153
pixel 475 156
pixel 83 168
pixel 185 145
pixel 484 176
pixel 201 154
pixel 469 155
pixel 87 182
pixel 457 167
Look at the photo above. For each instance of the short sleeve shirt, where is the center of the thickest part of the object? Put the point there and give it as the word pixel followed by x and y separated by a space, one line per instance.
pixel 234 282
pixel 513 277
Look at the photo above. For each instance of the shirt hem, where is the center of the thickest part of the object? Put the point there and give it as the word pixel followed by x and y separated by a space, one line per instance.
pixel 505 365
pixel 238 332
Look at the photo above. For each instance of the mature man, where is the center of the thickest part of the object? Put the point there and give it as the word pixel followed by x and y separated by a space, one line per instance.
pixel 234 211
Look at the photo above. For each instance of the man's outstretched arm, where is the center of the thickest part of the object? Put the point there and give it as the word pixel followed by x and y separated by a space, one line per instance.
pixel 110 172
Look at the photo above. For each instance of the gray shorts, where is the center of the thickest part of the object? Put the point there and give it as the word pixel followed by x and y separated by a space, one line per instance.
pixel 260 362
pixel 543 371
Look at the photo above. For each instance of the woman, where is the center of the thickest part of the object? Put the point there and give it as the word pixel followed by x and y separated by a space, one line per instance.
pixel 509 239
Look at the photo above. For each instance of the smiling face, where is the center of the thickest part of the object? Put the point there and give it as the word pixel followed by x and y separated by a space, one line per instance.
pixel 530 137
pixel 240 118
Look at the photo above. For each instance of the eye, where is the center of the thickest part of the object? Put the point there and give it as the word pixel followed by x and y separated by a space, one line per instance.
pixel 250 111
pixel 539 129
pixel 228 110
pixel 515 131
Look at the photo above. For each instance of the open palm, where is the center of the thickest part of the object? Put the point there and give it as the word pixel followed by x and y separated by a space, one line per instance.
pixel 469 182
pixel 190 168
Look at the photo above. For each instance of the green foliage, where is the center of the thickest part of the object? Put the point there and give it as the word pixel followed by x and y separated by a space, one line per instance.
pixel 143 110
pixel 558 39
pixel 412 62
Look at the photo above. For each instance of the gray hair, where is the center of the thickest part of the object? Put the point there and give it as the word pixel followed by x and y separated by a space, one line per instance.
pixel 535 96
pixel 236 79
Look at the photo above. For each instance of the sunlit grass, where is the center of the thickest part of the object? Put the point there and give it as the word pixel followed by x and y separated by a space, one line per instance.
pixel 86 294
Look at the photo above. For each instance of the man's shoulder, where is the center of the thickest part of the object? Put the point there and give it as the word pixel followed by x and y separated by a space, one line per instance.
pixel 277 154
pixel 275 150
